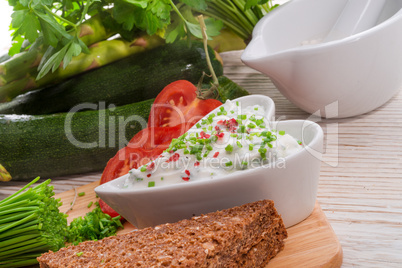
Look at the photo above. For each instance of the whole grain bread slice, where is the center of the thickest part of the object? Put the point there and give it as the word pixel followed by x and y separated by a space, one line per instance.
pixel 244 236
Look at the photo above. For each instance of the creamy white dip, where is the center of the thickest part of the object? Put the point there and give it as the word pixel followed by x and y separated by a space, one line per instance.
pixel 232 138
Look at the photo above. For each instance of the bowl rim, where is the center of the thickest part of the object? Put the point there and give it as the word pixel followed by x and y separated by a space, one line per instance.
pixel 111 186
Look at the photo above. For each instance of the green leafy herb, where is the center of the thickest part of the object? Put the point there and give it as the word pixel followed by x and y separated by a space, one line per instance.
pixel 53 26
pixel 94 225
pixel 30 224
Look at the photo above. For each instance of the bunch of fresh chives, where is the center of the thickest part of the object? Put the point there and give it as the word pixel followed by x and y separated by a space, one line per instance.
pixel 30 224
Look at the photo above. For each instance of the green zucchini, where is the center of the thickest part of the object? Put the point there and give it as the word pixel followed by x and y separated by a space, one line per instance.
pixel 47 146
pixel 43 145
pixel 135 78
pixel 229 90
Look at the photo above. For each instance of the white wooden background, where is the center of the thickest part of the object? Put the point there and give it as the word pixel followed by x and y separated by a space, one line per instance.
pixel 360 187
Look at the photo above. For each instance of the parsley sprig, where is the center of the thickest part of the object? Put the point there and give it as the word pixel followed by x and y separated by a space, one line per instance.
pixel 53 25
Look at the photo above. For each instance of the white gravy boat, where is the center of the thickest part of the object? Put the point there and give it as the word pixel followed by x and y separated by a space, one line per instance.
pixel 333 58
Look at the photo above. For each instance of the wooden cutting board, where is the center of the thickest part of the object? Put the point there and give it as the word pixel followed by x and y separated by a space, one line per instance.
pixel 311 243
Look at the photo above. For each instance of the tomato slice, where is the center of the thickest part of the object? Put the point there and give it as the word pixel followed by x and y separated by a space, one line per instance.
pixel 178 103
pixel 145 146
pixel 174 111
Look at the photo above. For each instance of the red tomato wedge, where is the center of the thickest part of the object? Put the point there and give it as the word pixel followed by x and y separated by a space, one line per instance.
pixel 175 110
pixel 178 103
pixel 145 146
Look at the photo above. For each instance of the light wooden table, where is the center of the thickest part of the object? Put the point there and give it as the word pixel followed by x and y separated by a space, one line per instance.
pixel 360 187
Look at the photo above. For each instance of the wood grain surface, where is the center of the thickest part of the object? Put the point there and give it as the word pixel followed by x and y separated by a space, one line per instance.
pixel 360 188
pixel 311 243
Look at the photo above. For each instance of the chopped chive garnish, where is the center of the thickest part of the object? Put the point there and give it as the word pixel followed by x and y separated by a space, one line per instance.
pixel 256 108
pixel 186 151
pixel 242 129
pixel 259 122
pixel 229 148
pixel 79 254
pixel 237 103
pixel 242 116
pixel 270 145
pixel 81 194
pixel 265 133
pixel 251 147
pixel 143 168
pixel 182 146
pixel 239 144
pixel 228 164
pixel 281 132
pixel 90 204
pixel 151 184
pixel 196 148
pixel 161 178
pixel 251 125
pixel 198 156
pixel 209 147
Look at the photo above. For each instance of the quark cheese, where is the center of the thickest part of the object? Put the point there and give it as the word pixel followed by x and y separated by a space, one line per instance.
pixel 230 139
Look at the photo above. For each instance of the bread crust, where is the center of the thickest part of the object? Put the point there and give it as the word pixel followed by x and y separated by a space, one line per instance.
pixel 244 236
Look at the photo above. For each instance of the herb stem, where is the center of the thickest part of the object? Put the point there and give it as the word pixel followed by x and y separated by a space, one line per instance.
pixel 205 39
pixel 59 17
pixel 177 10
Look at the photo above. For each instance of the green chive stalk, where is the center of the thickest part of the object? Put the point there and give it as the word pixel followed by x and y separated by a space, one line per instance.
pixel 30 224
pixel 235 15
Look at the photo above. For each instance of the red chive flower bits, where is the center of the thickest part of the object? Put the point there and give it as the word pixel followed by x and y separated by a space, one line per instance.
pixel 220 135
pixel 173 158
pixel 151 166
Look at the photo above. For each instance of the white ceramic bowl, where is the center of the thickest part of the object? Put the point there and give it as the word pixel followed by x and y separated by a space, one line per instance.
pixel 292 186
pixel 329 58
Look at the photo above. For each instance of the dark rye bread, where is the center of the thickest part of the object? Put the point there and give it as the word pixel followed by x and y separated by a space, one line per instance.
pixel 245 236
